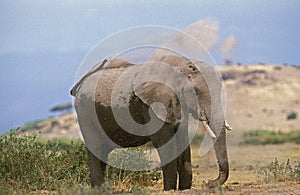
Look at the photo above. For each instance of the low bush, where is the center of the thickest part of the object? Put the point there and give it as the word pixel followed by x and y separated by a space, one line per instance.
pixel 28 164
pixel 291 115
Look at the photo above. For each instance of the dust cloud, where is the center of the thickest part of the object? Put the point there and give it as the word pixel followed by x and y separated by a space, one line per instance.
pixel 198 39
pixel 229 44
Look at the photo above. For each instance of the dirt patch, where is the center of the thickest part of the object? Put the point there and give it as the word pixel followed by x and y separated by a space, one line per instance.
pixel 245 161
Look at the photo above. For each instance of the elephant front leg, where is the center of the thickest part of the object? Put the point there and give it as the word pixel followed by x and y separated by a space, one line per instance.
pixel 166 153
pixel 170 175
pixel 184 168
pixel 97 170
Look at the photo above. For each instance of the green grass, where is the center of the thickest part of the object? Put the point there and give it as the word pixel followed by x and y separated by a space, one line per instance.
pixel 28 164
pixel 264 137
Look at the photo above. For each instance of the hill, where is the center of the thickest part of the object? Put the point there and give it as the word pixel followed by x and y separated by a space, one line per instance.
pixel 262 97
pixel 258 97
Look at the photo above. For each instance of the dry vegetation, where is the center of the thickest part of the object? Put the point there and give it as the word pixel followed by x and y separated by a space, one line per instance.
pixel 29 165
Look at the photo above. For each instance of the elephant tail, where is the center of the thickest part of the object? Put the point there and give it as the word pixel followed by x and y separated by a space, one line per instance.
pixel 78 84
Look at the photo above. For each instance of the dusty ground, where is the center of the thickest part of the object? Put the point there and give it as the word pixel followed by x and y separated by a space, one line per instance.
pixel 245 163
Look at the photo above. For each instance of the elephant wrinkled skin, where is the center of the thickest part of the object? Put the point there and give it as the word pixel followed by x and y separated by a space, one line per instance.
pixel 138 97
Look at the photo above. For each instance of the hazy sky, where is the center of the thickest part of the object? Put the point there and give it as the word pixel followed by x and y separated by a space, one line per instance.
pixel 43 42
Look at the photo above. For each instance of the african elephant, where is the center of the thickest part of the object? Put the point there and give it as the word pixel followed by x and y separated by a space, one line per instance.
pixel 96 101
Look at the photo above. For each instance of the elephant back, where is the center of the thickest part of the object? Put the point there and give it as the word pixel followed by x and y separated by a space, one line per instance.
pixel 115 85
pixel 99 82
pixel 108 79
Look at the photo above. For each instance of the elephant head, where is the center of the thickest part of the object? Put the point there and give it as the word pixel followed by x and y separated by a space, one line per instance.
pixel 207 84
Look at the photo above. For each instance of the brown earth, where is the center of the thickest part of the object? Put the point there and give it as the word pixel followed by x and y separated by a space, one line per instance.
pixel 246 177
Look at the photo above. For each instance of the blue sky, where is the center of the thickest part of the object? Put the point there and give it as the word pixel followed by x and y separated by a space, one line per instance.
pixel 43 42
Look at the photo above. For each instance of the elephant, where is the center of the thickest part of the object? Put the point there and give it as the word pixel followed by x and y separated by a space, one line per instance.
pixel 95 103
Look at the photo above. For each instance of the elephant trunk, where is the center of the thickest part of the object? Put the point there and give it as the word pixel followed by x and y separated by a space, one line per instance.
pixel 222 158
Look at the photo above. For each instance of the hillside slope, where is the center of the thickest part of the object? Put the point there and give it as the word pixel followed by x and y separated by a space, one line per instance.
pixel 261 97
pixel 258 97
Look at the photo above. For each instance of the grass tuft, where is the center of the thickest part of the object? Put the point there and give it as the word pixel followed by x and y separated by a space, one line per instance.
pixel 279 172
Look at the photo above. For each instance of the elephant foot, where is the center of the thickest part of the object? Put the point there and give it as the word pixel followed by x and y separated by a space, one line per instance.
pixel 102 185
pixel 218 182
pixel 190 191
pixel 169 185
pixel 169 188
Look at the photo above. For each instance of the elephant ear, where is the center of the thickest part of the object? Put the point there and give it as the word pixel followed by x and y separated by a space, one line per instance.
pixel 157 84
pixel 161 99
pixel 167 81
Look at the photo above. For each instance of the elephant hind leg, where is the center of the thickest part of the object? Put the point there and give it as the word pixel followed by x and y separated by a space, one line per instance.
pixel 97 170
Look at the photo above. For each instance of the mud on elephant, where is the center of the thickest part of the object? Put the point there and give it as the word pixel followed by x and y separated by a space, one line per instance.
pixel 185 88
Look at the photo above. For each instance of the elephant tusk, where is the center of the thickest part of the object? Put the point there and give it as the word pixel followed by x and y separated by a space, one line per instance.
pixel 227 126
pixel 208 129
